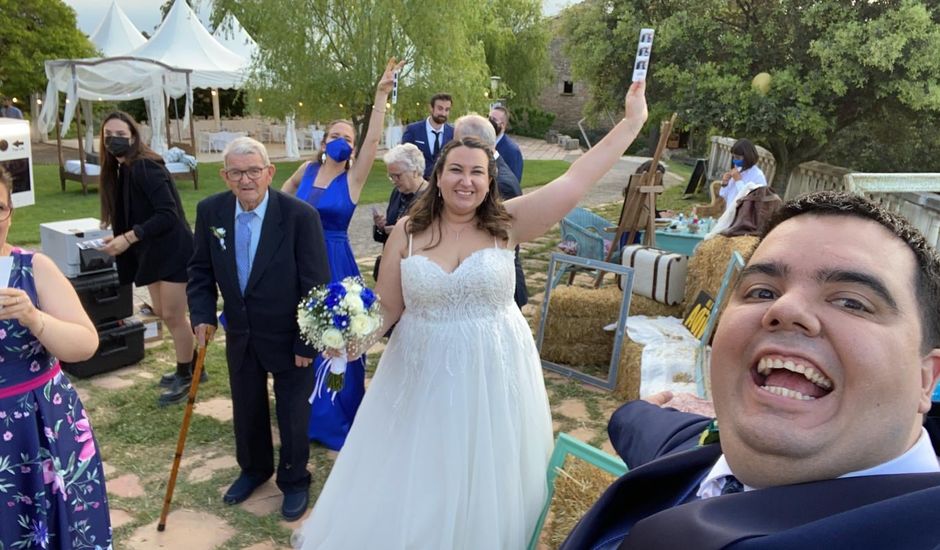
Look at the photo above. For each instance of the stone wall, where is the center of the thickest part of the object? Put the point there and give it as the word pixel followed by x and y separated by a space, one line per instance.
pixel 567 105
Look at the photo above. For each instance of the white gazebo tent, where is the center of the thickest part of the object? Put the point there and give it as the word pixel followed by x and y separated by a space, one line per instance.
pixel 116 34
pixel 182 41
pixel 233 36
pixel 111 79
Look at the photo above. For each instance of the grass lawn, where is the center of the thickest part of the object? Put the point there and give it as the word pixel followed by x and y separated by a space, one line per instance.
pixel 52 204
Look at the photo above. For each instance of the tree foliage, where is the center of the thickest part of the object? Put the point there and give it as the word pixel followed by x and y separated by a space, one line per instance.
pixel 32 33
pixel 515 40
pixel 322 59
pixel 835 64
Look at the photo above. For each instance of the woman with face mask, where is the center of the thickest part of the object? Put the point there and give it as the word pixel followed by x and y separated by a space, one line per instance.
pixel 152 241
pixel 332 183
pixel 744 170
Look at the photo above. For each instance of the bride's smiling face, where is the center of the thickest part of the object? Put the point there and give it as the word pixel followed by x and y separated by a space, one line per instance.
pixel 464 179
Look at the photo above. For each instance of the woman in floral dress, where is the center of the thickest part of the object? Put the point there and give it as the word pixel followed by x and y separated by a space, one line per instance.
pixel 52 492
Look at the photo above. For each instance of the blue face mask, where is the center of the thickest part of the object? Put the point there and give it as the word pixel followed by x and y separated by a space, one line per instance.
pixel 737 163
pixel 338 150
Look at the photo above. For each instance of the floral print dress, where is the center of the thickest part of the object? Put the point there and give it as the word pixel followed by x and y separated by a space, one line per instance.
pixel 52 492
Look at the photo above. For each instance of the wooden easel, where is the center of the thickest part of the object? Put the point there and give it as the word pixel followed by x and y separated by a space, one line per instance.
pixel 639 199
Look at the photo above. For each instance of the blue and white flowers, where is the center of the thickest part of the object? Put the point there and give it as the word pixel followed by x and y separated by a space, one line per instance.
pixel 339 317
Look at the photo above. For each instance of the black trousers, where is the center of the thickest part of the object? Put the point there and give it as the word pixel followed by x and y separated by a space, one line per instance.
pixel 254 448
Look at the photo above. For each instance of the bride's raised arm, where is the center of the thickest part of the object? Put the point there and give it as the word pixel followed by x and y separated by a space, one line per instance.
pixel 536 212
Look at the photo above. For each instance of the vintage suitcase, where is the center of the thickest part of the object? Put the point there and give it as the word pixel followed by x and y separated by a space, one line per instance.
pixel 103 297
pixel 121 343
pixel 657 274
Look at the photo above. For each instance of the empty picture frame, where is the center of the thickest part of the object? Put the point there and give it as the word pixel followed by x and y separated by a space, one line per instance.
pixel 626 273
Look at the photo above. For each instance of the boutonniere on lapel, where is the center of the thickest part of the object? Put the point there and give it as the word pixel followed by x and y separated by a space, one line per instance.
pixel 710 435
pixel 219 233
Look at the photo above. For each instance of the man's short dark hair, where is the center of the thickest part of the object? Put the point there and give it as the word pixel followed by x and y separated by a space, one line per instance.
pixel 505 111
pixel 747 151
pixel 440 97
pixel 927 276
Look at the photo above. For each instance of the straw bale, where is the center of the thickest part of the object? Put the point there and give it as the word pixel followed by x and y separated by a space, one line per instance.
pixel 577 488
pixel 707 266
pixel 628 375
pixel 641 305
pixel 580 303
pixel 578 355
pixel 574 330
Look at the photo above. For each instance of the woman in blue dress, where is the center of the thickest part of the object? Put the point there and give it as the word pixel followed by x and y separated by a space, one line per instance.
pixel 53 493
pixel 332 183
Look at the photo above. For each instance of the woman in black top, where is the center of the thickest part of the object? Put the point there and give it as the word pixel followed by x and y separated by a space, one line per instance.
pixel 405 165
pixel 152 241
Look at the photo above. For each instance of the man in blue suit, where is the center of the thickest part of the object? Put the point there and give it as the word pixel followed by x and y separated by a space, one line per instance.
pixel 263 250
pixel 507 148
pixel 822 369
pixel 432 133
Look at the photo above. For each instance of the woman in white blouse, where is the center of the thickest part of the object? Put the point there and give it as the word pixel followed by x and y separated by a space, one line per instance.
pixel 744 170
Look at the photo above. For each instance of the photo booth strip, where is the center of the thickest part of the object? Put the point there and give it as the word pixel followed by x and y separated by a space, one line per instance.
pixel 643 51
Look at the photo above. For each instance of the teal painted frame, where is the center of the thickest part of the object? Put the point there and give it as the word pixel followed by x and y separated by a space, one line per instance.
pixel 702 368
pixel 566 445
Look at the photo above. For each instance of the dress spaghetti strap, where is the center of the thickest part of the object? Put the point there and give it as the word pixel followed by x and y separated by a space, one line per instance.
pixel 410 235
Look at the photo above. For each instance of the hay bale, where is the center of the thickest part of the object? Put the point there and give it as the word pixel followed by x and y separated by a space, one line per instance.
pixel 578 355
pixel 586 303
pixel 707 266
pixel 641 305
pixel 574 330
pixel 628 374
pixel 578 486
pixel 574 334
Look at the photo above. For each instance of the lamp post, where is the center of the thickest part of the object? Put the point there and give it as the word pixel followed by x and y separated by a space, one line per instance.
pixel 494 91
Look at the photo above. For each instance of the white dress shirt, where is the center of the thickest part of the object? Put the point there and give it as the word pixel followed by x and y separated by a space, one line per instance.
pixel 919 459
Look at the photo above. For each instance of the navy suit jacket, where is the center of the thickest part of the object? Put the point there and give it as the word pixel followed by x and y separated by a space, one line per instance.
pixel 509 150
pixel 416 133
pixel 290 260
pixel 654 505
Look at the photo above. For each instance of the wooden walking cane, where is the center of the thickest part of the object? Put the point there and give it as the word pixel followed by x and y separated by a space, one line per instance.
pixel 184 429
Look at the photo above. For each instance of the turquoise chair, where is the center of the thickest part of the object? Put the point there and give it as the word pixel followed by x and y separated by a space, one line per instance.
pixel 588 231
pixel 566 445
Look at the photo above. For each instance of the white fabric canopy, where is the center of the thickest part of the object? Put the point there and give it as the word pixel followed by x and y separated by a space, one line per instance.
pixel 233 36
pixel 182 41
pixel 116 35
pixel 291 150
pixel 114 79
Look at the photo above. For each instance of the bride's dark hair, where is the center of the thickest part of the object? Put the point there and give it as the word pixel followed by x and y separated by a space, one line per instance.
pixel 491 215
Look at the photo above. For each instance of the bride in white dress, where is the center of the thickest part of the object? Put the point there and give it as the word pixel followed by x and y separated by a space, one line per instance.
pixel 450 445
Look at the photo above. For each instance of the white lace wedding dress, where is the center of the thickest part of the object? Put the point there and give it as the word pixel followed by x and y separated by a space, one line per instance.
pixel 450 445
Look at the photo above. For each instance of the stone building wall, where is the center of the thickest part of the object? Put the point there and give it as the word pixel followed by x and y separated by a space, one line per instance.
pixel 563 95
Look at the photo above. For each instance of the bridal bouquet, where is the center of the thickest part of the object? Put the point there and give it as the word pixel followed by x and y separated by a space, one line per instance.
pixel 339 317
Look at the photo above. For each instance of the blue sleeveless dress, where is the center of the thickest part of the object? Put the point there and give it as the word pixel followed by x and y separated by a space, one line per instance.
pixel 330 419
pixel 50 467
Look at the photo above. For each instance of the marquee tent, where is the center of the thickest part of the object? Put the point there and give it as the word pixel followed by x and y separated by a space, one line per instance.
pixel 182 41
pixel 116 35
pixel 233 36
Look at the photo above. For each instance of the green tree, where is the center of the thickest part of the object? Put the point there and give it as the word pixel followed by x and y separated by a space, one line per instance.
pixel 515 40
pixel 833 63
pixel 32 33
pixel 322 59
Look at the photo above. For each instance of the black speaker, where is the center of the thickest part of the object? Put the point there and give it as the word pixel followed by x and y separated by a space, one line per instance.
pixel 104 299
pixel 120 343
